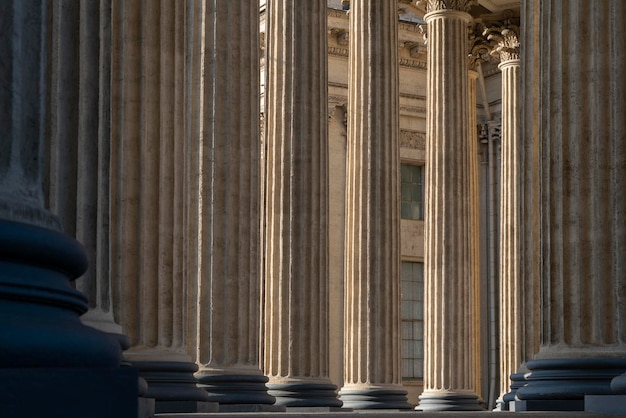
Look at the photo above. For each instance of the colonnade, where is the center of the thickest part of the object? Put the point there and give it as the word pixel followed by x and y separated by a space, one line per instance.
pixel 137 125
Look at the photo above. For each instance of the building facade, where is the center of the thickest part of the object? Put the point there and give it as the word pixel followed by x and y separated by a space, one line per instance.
pixel 364 204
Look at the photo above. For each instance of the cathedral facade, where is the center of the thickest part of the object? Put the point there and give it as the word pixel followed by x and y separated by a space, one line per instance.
pixel 229 206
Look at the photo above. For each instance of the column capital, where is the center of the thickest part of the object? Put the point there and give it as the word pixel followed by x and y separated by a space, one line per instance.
pixel 505 37
pixel 479 47
pixel 437 5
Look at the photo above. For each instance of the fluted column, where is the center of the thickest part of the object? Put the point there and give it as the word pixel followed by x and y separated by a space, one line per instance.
pixel 147 205
pixel 77 181
pixel 582 202
pixel 451 222
pixel 513 353
pixel 296 212
pixel 228 198
pixel 49 358
pixel 372 373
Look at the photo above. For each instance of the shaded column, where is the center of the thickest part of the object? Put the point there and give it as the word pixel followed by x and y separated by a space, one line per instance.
pixel 77 158
pixel 296 211
pixel 582 98
pixel 372 371
pixel 225 158
pixel 147 205
pixel 451 218
pixel 513 350
pixel 49 358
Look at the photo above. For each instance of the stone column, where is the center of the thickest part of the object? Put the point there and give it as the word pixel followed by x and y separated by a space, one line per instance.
pixel 473 139
pixel 372 371
pixel 227 163
pixel 451 221
pixel 296 211
pixel 50 359
pixel 77 158
pixel 582 98
pixel 147 205
pixel 513 350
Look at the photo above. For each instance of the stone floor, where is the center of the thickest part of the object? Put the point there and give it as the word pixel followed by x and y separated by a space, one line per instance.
pixel 388 414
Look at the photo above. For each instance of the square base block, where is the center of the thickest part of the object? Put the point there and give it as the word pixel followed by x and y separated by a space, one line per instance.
pixel 69 392
pixel 167 407
pixel 548 405
pixel 606 404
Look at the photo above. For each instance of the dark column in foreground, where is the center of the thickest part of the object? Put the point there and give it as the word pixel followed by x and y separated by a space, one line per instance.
pixel 50 363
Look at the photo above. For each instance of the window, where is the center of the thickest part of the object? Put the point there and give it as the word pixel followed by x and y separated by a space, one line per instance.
pixel 411 180
pixel 412 320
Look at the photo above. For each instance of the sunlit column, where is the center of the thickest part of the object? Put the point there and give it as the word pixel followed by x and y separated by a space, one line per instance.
pixel 451 221
pixel 372 371
pixel 296 212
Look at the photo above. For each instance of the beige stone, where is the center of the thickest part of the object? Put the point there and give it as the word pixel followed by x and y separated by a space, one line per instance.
pixel 451 218
pixel 296 212
pixel 372 238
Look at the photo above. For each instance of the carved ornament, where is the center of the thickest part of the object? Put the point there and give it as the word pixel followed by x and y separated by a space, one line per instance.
pixel 505 36
pixel 435 5
pixel 413 139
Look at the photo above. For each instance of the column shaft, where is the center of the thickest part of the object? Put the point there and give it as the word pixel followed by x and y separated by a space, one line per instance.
pixel 372 372
pixel 582 204
pixel 228 201
pixel 147 205
pixel 296 212
pixel 77 158
pixel 512 315
pixel 451 220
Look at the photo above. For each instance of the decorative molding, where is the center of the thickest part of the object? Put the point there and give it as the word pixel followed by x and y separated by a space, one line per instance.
pixel 337 51
pixel 413 139
pixel 435 5
pixel 413 109
pixel 342 14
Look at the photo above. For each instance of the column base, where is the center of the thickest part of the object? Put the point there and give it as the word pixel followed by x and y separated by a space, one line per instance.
pixel 39 309
pixel 173 386
pixel 235 389
pixel 305 394
pixel 69 392
pixel 618 384
pixel 375 398
pixel 569 380
pixel 518 380
pixel 435 400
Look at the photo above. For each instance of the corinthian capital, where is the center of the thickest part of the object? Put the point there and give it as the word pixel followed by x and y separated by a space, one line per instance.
pixel 505 35
pixel 479 46
pixel 460 5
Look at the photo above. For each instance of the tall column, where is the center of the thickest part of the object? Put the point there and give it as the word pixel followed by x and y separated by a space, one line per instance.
pixel 451 221
pixel 582 98
pixel 513 349
pixel 77 182
pixel 226 162
pixel 296 213
pixel 49 358
pixel 472 131
pixel 372 372
pixel 147 205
